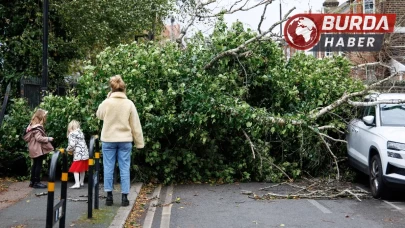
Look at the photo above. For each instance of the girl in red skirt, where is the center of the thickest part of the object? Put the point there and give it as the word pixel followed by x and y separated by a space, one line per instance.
pixel 77 146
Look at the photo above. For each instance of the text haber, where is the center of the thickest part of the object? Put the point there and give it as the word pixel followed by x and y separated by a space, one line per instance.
pixel 350 42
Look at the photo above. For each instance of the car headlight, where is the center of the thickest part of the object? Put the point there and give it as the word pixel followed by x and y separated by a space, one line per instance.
pixel 395 146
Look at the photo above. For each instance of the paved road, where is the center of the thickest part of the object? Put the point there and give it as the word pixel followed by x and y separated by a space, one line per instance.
pixel 224 206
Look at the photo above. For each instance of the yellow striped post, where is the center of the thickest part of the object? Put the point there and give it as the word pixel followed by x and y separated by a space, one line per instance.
pixel 64 177
pixel 51 186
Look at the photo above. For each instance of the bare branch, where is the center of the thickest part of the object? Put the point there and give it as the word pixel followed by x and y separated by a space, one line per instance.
pixel 237 2
pixel 262 17
pixel 280 169
pixel 321 136
pixel 372 103
pixel 243 46
pixel 241 8
pixel 331 138
pixel 252 146
pixel 183 31
pixel 330 127
pixel 373 64
pixel 345 97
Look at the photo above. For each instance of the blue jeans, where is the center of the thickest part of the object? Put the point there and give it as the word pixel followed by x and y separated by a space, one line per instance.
pixel 112 150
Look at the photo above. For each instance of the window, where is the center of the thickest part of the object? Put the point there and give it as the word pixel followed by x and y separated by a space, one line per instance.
pixel 328 52
pixel 368 6
pixel 392 114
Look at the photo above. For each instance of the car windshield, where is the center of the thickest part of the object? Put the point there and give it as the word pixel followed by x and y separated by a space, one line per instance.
pixel 392 114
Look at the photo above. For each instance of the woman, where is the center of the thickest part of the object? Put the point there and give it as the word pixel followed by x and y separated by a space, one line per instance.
pixel 121 127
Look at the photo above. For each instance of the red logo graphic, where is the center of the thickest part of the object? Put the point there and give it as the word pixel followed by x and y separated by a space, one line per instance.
pixel 303 31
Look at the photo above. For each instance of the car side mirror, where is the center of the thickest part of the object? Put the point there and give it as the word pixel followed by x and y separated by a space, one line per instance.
pixel 368 120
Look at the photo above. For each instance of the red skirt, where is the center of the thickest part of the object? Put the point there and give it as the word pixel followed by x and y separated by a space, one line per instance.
pixel 79 166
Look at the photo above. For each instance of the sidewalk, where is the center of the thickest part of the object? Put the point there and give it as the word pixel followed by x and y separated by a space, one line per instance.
pixel 30 211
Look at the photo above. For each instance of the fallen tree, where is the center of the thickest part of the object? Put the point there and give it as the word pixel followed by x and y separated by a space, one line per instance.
pixel 228 107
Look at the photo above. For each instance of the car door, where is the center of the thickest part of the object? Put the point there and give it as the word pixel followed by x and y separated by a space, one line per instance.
pixel 366 133
pixel 353 136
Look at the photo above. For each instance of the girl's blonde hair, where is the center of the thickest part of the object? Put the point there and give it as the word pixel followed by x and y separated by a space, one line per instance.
pixel 117 84
pixel 39 117
pixel 73 125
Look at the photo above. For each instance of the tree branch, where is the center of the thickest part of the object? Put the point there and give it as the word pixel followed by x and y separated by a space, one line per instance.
pixel 346 97
pixel 252 146
pixel 331 138
pixel 243 45
pixel 330 127
pixel 183 31
pixel 330 151
pixel 241 8
pixel 262 17
pixel 372 103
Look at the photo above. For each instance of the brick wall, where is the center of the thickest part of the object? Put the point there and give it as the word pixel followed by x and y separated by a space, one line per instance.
pixel 397 40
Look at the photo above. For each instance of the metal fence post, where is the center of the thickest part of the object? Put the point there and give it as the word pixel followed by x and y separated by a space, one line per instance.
pixel 90 187
pixel 63 191
pixel 3 108
pixel 58 212
pixel 97 175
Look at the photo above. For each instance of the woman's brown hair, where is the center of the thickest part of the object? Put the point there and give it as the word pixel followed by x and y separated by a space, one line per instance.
pixel 39 117
pixel 117 84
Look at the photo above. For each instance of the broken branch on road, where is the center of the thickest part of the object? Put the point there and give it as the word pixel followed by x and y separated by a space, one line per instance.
pixel 314 189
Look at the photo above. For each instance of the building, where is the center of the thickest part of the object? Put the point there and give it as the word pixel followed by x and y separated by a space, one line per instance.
pixel 393 51
pixel 171 32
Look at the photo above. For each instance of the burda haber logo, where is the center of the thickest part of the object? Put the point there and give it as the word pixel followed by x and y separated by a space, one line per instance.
pixel 338 32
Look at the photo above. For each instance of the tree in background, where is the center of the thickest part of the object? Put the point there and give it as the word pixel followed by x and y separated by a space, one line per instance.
pixel 77 31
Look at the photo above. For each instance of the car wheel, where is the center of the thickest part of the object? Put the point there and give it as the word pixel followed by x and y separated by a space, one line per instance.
pixel 376 181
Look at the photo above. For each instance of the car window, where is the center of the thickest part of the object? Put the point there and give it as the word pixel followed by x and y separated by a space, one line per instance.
pixel 369 111
pixel 392 114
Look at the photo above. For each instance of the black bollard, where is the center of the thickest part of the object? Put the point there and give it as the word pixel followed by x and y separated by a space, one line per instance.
pixel 58 212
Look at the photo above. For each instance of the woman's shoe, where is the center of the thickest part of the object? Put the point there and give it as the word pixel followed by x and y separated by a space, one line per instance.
pixel 109 201
pixel 125 201
pixel 76 186
pixel 39 185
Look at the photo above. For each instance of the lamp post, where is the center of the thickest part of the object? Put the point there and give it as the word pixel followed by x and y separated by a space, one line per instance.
pixel 172 29
pixel 44 84
pixel 281 24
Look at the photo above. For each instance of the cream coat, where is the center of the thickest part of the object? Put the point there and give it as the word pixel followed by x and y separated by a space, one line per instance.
pixel 120 120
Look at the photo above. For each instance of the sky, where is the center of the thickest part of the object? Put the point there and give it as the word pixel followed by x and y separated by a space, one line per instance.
pixel 252 17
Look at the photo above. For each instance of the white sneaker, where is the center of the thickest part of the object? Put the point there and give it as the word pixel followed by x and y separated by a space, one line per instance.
pixel 76 186
pixel 81 184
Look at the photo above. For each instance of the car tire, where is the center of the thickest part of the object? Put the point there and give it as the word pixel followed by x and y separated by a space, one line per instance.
pixel 378 188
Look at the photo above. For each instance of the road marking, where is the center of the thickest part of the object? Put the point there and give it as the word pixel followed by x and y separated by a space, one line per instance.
pixel 167 208
pixel 319 206
pixel 147 223
pixel 392 205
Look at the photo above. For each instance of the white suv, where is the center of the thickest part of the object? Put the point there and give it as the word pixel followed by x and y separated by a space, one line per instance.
pixel 376 143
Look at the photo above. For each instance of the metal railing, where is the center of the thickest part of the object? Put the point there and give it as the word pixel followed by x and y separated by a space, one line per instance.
pixel 55 213
pixel 3 108
pixel 94 174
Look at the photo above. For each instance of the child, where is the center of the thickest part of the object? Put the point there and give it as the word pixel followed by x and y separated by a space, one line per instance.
pixel 78 146
pixel 38 145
